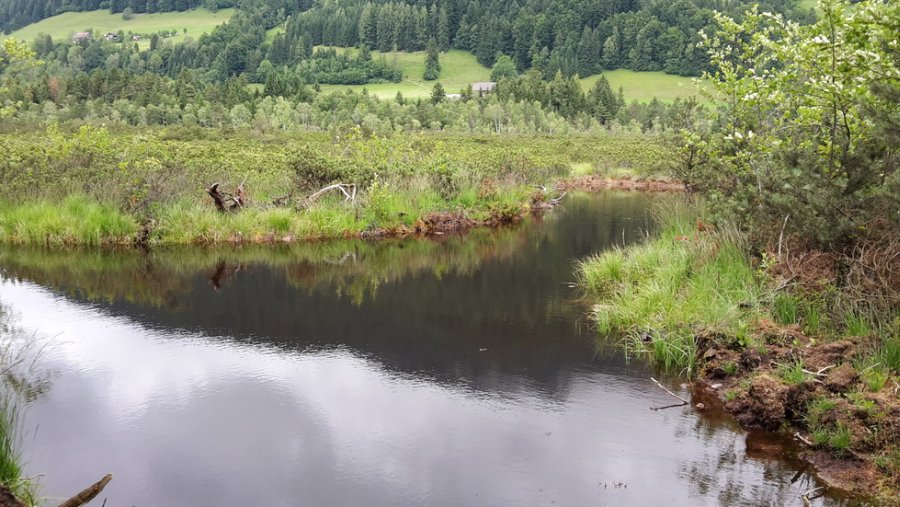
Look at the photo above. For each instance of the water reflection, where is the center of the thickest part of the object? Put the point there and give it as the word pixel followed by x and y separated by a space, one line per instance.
pixel 448 372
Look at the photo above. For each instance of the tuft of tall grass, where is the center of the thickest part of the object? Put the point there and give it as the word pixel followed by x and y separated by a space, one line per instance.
pixel 889 354
pixel 659 293
pixel 792 373
pixel 17 363
pixel 76 220
pixel 786 309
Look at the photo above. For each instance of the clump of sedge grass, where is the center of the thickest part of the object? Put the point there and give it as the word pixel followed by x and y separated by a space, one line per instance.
pixel 76 220
pixel 658 293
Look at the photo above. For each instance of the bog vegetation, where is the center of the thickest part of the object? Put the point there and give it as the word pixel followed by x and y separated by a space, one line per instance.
pixel 93 186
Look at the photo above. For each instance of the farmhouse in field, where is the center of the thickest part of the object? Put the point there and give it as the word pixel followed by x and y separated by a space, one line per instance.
pixel 483 87
pixel 111 36
pixel 81 36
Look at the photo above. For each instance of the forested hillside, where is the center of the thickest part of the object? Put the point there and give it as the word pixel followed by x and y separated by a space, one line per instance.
pixel 289 49
pixel 573 37
pixel 581 36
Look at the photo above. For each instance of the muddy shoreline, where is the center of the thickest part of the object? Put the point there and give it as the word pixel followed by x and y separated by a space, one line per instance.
pixel 596 183
pixel 749 384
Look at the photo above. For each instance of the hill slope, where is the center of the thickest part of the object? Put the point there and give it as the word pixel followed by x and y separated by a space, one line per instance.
pixel 189 23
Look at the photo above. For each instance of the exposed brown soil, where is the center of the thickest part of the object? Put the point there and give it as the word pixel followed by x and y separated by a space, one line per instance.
pixel 750 383
pixel 595 183
pixel 8 499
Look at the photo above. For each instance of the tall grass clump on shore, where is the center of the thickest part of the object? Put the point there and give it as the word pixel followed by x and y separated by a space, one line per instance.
pixel 16 362
pixel 657 294
pixel 75 220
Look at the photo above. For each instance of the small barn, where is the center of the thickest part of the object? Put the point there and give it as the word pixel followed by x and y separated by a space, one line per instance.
pixel 81 36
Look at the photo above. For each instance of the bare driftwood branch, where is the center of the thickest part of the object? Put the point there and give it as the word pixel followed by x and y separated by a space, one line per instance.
pixel 348 189
pixel 555 201
pixel 821 372
pixel 803 439
pixel 812 495
pixel 781 236
pixel 682 400
pixel 88 494
pixel 225 201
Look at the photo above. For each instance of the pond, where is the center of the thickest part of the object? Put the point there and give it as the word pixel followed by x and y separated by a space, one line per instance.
pixel 443 371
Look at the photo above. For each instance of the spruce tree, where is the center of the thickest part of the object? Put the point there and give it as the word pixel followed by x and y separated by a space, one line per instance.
pixel 432 61
pixel 437 93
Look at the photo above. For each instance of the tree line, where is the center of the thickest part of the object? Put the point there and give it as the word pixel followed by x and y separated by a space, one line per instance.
pixel 524 104
pixel 572 37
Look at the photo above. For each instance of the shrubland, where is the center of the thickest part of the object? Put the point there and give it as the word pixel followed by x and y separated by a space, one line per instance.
pixel 92 185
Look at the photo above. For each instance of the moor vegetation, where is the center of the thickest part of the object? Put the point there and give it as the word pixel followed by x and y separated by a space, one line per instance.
pixel 92 186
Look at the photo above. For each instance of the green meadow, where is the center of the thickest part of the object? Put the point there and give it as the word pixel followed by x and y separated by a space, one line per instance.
pixel 188 24
pixel 644 86
pixel 458 69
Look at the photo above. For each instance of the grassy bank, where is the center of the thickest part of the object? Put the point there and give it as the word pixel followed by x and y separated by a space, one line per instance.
pixel 657 294
pixel 790 352
pixel 95 187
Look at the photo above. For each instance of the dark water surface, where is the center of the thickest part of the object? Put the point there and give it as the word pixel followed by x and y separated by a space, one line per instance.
pixel 456 371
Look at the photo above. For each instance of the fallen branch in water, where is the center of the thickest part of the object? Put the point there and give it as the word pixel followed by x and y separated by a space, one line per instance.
pixel 674 405
pixel 87 494
pixel 682 400
pixel 811 495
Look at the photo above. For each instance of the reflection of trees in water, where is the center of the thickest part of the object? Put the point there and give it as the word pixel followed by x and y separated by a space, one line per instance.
pixel 427 306
pixel 159 277
pixel 354 269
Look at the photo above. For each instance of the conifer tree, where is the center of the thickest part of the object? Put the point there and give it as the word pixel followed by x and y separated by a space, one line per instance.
pixel 432 61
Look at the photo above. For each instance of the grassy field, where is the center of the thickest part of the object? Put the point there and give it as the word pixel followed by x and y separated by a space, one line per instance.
pixel 458 69
pixel 196 22
pixel 644 86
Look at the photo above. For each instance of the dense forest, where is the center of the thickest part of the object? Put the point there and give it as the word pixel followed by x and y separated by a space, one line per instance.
pixel 574 37
pixel 581 37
